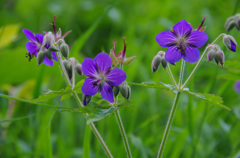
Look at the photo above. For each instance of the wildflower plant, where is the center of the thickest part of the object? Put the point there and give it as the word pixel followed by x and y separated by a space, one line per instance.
pixel 104 74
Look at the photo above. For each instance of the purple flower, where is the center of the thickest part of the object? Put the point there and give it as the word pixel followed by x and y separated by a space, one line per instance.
pixel 237 86
pixel 35 44
pixel 182 42
pixel 101 77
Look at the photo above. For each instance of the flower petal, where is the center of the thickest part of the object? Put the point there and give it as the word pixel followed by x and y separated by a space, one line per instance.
pixel 191 54
pixel 103 61
pixel 182 27
pixel 116 76
pixel 165 38
pixel 31 47
pixel 197 38
pixel 233 46
pixel 106 92
pixel 54 56
pixel 237 86
pixel 39 37
pixel 29 35
pixel 88 88
pixel 47 61
pixel 89 67
pixel 173 55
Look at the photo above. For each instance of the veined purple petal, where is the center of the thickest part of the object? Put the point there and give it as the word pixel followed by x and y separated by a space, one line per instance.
pixel 39 37
pixel 197 38
pixel 182 27
pixel 47 61
pixel 31 47
pixel 173 55
pixel 54 56
pixel 233 46
pixel 103 61
pixel 191 54
pixel 29 35
pixel 237 86
pixel 89 67
pixel 88 88
pixel 165 38
pixel 106 92
pixel 116 76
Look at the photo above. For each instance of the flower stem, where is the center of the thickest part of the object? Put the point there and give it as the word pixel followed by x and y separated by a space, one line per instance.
pixel 171 76
pixel 199 62
pixel 181 74
pixel 94 129
pixel 167 128
pixel 123 133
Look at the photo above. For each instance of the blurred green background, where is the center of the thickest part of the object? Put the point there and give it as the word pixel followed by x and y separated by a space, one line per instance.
pixel 198 130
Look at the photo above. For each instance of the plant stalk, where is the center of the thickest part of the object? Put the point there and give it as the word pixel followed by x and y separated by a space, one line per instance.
pixel 94 129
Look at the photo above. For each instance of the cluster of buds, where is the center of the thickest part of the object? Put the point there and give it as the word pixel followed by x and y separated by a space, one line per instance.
pixel 124 89
pixel 233 21
pixel 120 58
pixel 71 66
pixel 158 60
pixel 214 52
pixel 230 42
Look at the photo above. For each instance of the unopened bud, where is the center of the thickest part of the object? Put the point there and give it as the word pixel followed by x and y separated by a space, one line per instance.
pixel 116 90
pixel 64 50
pixel 219 57
pixel 163 61
pixel 53 48
pixel 237 21
pixel 230 23
pixel 156 63
pixel 48 54
pixel 212 50
pixel 230 42
pixel 125 90
pixel 48 39
pixel 68 67
pixel 86 99
pixel 40 57
pixel 79 69
pixel 60 42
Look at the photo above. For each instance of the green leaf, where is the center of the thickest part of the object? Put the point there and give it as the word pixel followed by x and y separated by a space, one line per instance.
pixel 7 34
pixel 53 94
pixel 17 119
pixel 159 85
pixel 209 98
pixel 99 113
pixel 31 102
pixel 65 96
pixel 78 86
pixel 81 110
pixel 229 76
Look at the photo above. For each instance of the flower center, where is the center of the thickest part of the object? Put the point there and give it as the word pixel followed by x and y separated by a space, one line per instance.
pixel 101 79
pixel 181 44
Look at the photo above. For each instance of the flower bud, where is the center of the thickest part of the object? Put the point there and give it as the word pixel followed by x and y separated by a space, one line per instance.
pixel 230 23
pixel 60 42
pixel 48 39
pixel 230 42
pixel 79 69
pixel 59 33
pixel 219 57
pixel 116 90
pixel 53 48
pixel 156 63
pixel 48 54
pixel 237 86
pixel 64 50
pixel 125 90
pixel 86 99
pixel 68 67
pixel 237 21
pixel 163 61
pixel 212 51
pixel 40 57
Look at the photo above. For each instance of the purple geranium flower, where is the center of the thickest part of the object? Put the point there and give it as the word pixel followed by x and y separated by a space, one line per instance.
pixel 35 44
pixel 237 86
pixel 182 42
pixel 101 77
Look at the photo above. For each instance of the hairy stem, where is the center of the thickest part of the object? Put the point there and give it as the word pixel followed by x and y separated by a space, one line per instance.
pixel 199 62
pixel 123 133
pixel 171 76
pixel 94 129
